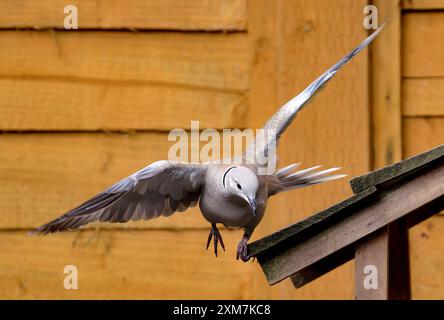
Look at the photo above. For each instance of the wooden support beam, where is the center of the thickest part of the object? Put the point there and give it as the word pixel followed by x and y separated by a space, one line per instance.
pixel 371 266
pixel 382 266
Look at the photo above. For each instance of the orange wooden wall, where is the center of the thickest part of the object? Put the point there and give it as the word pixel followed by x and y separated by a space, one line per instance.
pixel 79 110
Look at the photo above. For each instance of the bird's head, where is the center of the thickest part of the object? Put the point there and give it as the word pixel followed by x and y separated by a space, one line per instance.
pixel 242 182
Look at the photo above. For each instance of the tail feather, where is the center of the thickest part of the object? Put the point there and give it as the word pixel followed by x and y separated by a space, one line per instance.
pixel 300 174
pixel 282 172
pixel 306 177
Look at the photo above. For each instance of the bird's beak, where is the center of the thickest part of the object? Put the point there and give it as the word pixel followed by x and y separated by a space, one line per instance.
pixel 252 203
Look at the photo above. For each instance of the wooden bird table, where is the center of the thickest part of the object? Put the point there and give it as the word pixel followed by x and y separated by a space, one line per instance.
pixel 371 226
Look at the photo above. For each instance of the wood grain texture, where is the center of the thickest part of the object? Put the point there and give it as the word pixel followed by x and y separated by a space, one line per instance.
pixel 422 44
pixel 45 175
pixel 422 134
pixel 423 97
pixel 422 4
pixel 427 263
pixel 300 41
pixel 386 86
pixel 194 60
pixel 39 104
pixel 133 14
pixel 372 251
pixel 122 264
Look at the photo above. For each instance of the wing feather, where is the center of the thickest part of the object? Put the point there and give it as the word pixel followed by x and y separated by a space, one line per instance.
pixel 161 188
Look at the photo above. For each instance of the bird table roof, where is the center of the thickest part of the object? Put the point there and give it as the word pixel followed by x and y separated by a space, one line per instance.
pixel 280 253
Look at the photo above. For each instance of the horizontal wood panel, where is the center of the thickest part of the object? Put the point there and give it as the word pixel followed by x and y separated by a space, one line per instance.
pixel 141 14
pixel 423 97
pixel 38 104
pixel 198 59
pixel 117 264
pixel 427 263
pixel 44 175
pixel 422 134
pixel 423 4
pixel 423 49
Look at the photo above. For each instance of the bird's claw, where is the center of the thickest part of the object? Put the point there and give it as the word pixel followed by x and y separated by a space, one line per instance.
pixel 242 251
pixel 214 233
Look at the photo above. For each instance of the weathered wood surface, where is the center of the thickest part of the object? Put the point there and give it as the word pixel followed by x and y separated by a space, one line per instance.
pixel 128 14
pixel 286 260
pixel 386 252
pixel 386 86
pixel 422 44
pixel 122 264
pixel 204 60
pixel 423 97
pixel 422 4
pixel 45 175
pixel 372 251
pixel 55 104
pixel 393 172
pixel 311 225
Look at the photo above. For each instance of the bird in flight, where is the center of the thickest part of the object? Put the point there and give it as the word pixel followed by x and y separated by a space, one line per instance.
pixel 234 195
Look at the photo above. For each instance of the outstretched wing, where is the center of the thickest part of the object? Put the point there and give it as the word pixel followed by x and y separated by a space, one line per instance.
pixel 162 188
pixel 285 115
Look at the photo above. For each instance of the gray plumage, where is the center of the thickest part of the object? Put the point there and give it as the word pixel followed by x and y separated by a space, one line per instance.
pixel 231 194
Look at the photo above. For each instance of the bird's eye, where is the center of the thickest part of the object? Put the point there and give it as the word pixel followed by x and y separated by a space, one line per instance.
pixel 239 186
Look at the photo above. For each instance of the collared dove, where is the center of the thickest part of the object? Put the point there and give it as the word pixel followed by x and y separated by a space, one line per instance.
pixel 233 195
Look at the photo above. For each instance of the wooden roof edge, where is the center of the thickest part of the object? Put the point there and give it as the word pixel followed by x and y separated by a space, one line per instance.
pixel 260 246
pixel 395 171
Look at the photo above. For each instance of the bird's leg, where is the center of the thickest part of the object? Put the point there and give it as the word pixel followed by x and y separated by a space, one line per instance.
pixel 214 233
pixel 242 249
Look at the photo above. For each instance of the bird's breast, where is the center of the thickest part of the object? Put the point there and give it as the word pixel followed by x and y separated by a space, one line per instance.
pixel 217 209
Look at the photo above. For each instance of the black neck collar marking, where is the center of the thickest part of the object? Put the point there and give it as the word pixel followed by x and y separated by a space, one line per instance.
pixel 225 174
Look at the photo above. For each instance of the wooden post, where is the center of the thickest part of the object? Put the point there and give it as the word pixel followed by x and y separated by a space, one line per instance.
pixel 371 267
pixel 382 266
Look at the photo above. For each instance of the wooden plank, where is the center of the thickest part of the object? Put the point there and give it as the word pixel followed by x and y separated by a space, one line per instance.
pixel 122 264
pixel 39 104
pixel 298 256
pixel 133 14
pixel 45 175
pixel 421 134
pixel 390 175
pixel 422 44
pixel 423 97
pixel 422 4
pixel 384 256
pixel 372 260
pixel 386 86
pixel 218 61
